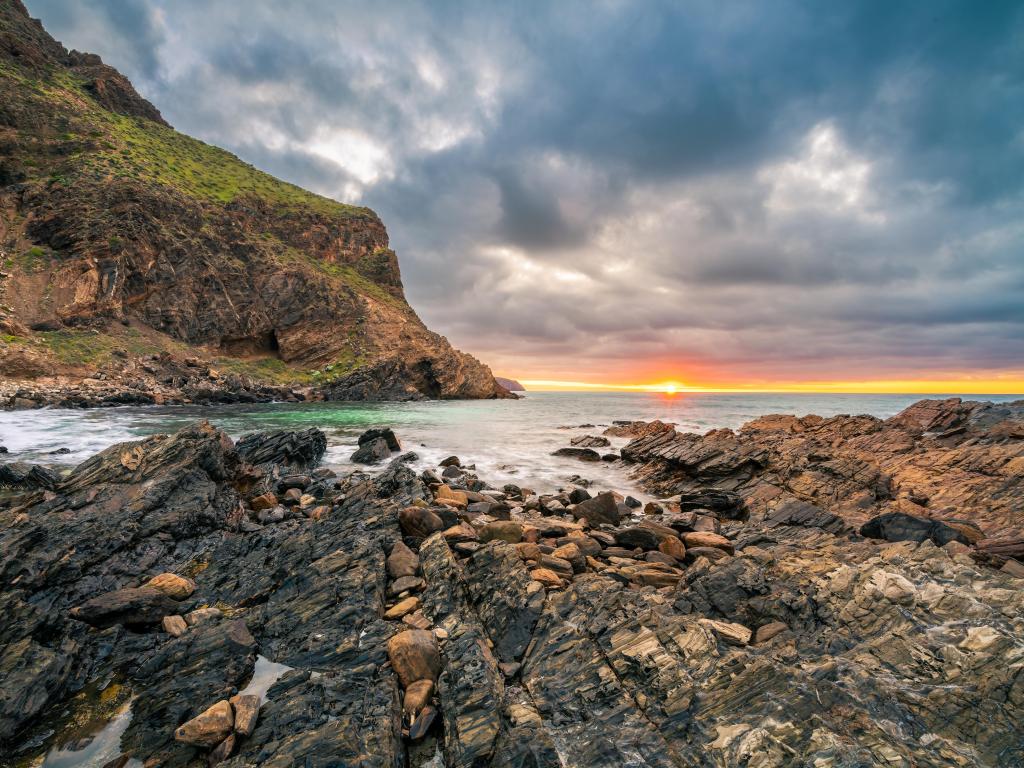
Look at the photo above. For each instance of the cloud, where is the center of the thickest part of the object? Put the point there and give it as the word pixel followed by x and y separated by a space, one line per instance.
pixel 594 190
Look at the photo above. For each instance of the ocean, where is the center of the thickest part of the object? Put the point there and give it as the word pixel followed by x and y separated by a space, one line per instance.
pixel 509 441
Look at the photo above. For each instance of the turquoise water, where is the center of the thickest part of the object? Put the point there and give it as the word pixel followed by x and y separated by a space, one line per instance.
pixel 508 440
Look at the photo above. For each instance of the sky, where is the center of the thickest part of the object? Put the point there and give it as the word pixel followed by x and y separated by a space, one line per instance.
pixel 716 194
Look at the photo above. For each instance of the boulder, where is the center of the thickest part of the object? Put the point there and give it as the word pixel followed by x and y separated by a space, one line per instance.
pixel 402 608
pixel 704 539
pixel 131 606
pixel 175 626
pixel 371 452
pixel 209 728
pixel 247 711
pixel 173 585
pixel 547 577
pixel 590 441
pixel 634 537
pixel 502 530
pixel 728 632
pixel 600 510
pixel 673 547
pixel 419 523
pixel 300 450
pixel 414 656
pixel 417 696
pixel 583 454
pixel 897 526
pixel 384 433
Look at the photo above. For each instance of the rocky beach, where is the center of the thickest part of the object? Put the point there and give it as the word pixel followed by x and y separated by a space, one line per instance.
pixel 838 591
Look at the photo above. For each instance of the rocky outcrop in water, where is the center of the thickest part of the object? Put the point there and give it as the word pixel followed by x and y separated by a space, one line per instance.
pixel 429 623
pixel 127 249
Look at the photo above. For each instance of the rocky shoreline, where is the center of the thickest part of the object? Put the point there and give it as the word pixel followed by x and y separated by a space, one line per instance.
pixel 806 591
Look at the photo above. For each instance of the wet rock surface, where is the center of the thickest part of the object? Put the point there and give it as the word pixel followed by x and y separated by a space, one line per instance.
pixel 719 626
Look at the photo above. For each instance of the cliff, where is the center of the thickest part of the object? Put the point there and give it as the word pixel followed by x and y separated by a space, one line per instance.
pixel 124 242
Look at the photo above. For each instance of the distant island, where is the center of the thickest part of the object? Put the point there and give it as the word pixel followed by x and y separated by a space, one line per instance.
pixel 510 384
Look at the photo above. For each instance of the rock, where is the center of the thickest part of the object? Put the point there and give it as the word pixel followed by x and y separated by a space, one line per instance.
pixel 422 723
pixel 528 551
pixel 130 606
pixel 298 450
pixel 1013 568
pixel 546 577
pixel 577 495
pixel 417 696
pixel 402 561
pixel 419 523
pixel 263 501
pixel 24 476
pixel 175 626
pixel 202 614
pixel 768 631
pixel 632 503
pixel 445 495
pixel 401 608
pixel 222 751
pixel 673 547
pixel 701 539
pixel 460 534
pixel 589 441
pixel 414 656
pixel 209 728
pixel 371 452
pixel 173 585
pixel 562 567
pixel 405 584
pixel 896 526
pixel 600 510
pixel 714 554
pixel 583 454
pixel 571 553
pixel 502 530
pixel 451 461
pixel 656 578
pixel 385 433
pixel 294 481
pixel 631 538
pixel 653 508
pixel 247 712
pixel 728 632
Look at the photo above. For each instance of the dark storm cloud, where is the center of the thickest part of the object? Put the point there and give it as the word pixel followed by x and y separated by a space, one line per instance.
pixel 783 189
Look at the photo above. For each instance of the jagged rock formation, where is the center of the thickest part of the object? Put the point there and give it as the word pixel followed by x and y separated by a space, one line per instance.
pixel 121 239
pixel 452 624
pixel 510 384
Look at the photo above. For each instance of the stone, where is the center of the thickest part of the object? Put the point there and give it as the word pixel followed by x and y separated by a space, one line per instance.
pixel 174 586
pixel 371 452
pixel 632 538
pixel 589 441
pixel 417 696
pixel 768 631
pixel 546 577
pixel 402 608
pixel 600 510
pixel 576 495
pixel 384 433
pixel 402 561
pixel 502 530
pixel 702 539
pixel 453 498
pixel 653 508
pixel 1013 568
pixel 528 551
pixel 292 496
pixel 655 578
pixel 201 614
pixel 209 728
pixel 897 526
pixel 267 500
pixel 562 567
pixel 421 725
pixel 582 454
pixel 247 712
pixel 222 751
pixel 406 584
pixel 294 481
pixel 571 553
pixel 130 606
pixel 414 656
pixel 728 632
pixel 673 547
pixel 713 554
pixel 451 461
pixel 175 626
pixel 419 523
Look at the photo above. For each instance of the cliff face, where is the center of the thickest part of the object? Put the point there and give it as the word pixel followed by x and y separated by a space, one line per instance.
pixel 119 234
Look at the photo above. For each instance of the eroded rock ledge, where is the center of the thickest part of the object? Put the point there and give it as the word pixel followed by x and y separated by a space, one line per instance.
pixel 448 623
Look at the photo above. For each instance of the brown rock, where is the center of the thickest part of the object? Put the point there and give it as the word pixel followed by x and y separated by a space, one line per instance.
pixel 502 530
pixel 528 551
pixel 1013 568
pixel 422 724
pixel 173 585
pixel 265 501
pixel 402 561
pixel 600 510
pixel 414 656
pixel 452 498
pixel 398 586
pixel 558 565
pixel 768 631
pixel 673 547
pixel 201 614
pixel 728 632
pixel 417 696
pixel 572 554
pixel 222 751
pixel 418 522
pixel 247 711
pixel 656 578
pixel 460 533
pixel 175 626
pixel 705 539
pixel 209 728
pixel 401 608
pixel 546 577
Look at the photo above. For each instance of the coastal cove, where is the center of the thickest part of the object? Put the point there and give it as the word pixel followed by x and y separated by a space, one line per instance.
pixel 508 440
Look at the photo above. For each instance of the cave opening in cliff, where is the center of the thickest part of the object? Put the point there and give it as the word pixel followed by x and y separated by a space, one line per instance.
pixel 256 345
